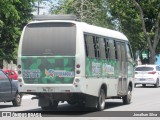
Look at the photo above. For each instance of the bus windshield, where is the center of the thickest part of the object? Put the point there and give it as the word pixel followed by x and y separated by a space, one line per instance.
pixel 49 39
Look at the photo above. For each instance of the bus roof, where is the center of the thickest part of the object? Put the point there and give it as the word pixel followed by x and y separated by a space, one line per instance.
pixel 91 29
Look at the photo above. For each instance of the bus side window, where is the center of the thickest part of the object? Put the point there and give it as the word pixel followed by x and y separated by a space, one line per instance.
pixel 106 48
pixel 123 49
pixel 86 45
pixel 96 47
pixel 102 48
pixel 129 53
pixel 90 46
pixel 116 52
pixel 111 49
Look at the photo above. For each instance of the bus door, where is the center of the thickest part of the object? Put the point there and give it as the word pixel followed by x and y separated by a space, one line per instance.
pixel 122 79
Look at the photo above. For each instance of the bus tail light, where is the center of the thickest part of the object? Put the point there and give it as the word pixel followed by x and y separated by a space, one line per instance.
pixel 19 72
pixel 78 66
pixel 19 66
pixel 78 72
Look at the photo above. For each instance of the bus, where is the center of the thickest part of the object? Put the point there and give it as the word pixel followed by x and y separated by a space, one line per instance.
pixel 63 60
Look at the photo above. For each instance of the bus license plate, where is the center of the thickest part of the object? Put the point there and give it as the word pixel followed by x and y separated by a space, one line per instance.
pixel 142 79
pixel 47 89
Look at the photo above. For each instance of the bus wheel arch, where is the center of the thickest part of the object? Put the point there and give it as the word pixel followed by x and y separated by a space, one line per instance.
pixel 104 87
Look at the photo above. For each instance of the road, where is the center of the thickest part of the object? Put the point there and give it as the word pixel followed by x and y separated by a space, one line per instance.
pixel 143 99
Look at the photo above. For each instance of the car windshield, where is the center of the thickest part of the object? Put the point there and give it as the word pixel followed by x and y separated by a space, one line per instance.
pixel 144 69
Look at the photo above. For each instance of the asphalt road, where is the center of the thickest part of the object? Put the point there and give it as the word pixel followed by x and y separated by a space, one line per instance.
pixel 143 100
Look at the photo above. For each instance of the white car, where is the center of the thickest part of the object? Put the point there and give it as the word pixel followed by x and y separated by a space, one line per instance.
pixel 147 74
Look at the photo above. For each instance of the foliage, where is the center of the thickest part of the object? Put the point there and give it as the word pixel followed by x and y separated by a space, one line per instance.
pixel 14 14
pixel 90 11
pixel 139 20
pixel 131 18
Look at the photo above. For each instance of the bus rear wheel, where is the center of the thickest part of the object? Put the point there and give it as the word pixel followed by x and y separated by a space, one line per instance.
pixel 52 106
pixel 144 85
pixel 127 98
pixel 101 100
pixel 71 102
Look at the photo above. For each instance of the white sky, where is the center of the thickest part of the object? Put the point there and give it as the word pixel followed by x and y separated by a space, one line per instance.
pixel 45 8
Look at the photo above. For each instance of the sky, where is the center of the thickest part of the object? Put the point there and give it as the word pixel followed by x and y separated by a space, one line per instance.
pixel 45 7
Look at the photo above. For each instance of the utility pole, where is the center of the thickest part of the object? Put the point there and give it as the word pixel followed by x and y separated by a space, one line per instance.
pixel 81 11
pixel 38 6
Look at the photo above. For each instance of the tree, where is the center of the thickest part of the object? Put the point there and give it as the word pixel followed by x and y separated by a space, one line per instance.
pixel 13 16
pixel 139 20
pixel 151 32
pixel 90 11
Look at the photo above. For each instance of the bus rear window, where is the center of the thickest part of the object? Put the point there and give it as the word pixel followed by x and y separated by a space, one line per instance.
pixel 49 39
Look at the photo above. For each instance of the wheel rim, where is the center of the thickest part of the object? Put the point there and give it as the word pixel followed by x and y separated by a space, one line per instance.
pixel 129 96
pixel 18 98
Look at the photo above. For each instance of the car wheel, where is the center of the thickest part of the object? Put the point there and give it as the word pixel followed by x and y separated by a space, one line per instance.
pixel 17 100
pixel 127 98
pixel 101 100
pixel 157 83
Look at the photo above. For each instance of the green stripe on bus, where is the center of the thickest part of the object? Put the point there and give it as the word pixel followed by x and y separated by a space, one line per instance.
pixel 48 70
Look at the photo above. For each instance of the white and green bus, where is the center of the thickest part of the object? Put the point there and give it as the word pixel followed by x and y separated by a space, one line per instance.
pixel 66 60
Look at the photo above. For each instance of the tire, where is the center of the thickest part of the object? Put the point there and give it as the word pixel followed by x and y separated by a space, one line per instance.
pixel 101 100
pixel 127 98
pixel 81 104
pixel 157 84
pixel 71 102
pixel 52 106
pixel 135 85
pixel 46 107
pixel 144 85
pixel 17 100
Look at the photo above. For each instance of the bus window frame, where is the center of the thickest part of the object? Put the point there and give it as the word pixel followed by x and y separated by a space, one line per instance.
pixel 89 46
